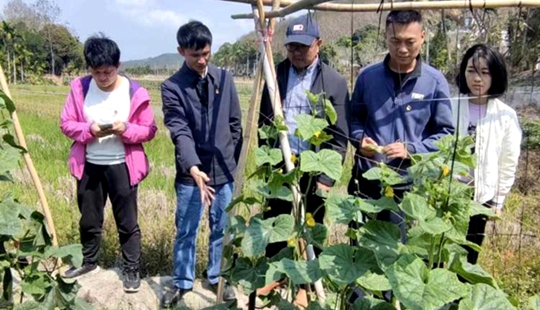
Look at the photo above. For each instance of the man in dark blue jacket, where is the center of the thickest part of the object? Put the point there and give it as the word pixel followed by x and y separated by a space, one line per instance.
pixel 202 112
pixel 399 107
pixel 303 71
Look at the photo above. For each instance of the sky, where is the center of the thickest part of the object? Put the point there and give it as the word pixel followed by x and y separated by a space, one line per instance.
pixel 147 28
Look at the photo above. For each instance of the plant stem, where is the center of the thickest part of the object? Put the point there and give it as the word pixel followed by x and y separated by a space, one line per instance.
pixel 431 250
pixel 441 245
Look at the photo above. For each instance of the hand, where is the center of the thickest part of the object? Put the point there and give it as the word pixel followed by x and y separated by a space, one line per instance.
pixel 368 147
pixel 396 150
pixel 118 128
pixel 200 178
pixel 323 187
pixel 97 132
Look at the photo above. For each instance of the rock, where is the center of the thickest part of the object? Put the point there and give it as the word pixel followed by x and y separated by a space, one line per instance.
pixel 103 290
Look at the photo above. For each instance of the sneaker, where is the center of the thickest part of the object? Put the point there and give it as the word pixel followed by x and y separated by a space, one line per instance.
pixel 74 272
pixel 131 281
pixel 228 291
pixel 172 297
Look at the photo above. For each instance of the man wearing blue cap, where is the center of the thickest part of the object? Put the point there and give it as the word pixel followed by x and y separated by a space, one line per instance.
pixel 303 71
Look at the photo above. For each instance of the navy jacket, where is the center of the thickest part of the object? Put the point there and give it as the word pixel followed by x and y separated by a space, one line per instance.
pixel 208 136
pixel 418 114
pixel 335 88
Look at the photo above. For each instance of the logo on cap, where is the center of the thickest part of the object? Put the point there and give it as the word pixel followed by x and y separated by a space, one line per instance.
pixel 298 27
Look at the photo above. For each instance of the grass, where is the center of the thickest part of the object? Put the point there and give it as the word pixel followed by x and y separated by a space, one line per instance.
pixel 510 250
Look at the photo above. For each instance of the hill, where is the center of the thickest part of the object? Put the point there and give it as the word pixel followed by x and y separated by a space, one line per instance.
pixel 163 61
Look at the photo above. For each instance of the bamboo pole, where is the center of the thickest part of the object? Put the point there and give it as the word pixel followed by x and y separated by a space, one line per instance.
pixel 374 7
pixel 29 163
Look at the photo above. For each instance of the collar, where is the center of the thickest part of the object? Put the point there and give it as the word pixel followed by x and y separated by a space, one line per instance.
pixel 193 76
pixel 416 71
pixel 309 69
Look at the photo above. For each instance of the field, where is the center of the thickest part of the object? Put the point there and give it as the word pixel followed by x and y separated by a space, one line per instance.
pixel 510 253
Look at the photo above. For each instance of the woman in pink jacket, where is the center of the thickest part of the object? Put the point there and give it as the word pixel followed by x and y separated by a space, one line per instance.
pixel 108 117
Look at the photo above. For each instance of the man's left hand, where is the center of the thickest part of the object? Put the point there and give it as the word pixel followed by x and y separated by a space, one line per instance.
pixel 323 187
pixel 396 150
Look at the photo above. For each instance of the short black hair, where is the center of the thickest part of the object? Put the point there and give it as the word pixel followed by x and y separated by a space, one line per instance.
pixel 194 35
pixel 100 51
pixel 403 17
pixel 496 65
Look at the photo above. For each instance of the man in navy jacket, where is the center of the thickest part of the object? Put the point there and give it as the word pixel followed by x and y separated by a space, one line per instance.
pixel 202 112
pixel 400 106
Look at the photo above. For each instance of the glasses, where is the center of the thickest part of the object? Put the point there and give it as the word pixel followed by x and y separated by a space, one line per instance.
pixel 295 47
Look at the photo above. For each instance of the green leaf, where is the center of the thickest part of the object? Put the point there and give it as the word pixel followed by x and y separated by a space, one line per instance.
pixel 279 123
pixel 6 102
pixel 262 232
pixel 484 297
pixel 374 281
pixel 472 273
pixel 321 138
pixel 36 284
pixel 435 226
pixel 28 305
pixel 330 111
pixel 248 201
pixel 338 261
pixel 376 206
pixel 237 225
pixel 417 207
pixel 534 302
pixel 9 158
pixel 383 238
pixel 308 126
pixel 267 155
pixel 476 209
pixel 325 161
pixel 341 208
pixel 251 275
pixel 10 140
pixel 10 223
pixel 267 132
pixel 72 253
pixel 300 272
pixel 419 288
pixel 317 235
pixel 384 174
pixel 281 192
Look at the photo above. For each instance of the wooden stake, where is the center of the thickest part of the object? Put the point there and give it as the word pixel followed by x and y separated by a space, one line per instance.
pixel 387 6
pixel 29 163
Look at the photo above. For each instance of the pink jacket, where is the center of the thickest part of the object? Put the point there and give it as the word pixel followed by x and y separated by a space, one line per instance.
pixel 140 128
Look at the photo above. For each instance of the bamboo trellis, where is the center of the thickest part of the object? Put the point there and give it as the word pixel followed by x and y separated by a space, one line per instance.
pixel 267 72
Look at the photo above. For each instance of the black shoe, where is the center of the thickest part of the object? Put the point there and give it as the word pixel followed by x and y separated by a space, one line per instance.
pixel 172 297
pixel 131 281
pixel 74 272
pixel 228 291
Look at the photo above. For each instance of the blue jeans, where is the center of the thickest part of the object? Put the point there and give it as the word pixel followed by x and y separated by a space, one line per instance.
pixel 189 212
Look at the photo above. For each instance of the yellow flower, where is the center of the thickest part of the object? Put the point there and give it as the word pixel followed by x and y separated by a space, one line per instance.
pixel 310 221
pixel 294 159
pixel 389 192
pixel 445 170
pixel 317 134
pixel 280 171
pixel 291 242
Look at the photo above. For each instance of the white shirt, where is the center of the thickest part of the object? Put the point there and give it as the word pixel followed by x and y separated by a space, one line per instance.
pixel 106 108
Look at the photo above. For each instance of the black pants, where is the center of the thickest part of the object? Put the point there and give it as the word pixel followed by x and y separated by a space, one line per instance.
pixel 314 205
pixel 475 234
pixel 97 183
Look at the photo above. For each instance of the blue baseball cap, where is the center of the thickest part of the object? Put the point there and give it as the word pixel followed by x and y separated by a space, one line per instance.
pixel 303 30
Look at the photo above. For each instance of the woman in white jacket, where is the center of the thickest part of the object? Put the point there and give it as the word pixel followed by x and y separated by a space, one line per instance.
pixel 495 129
